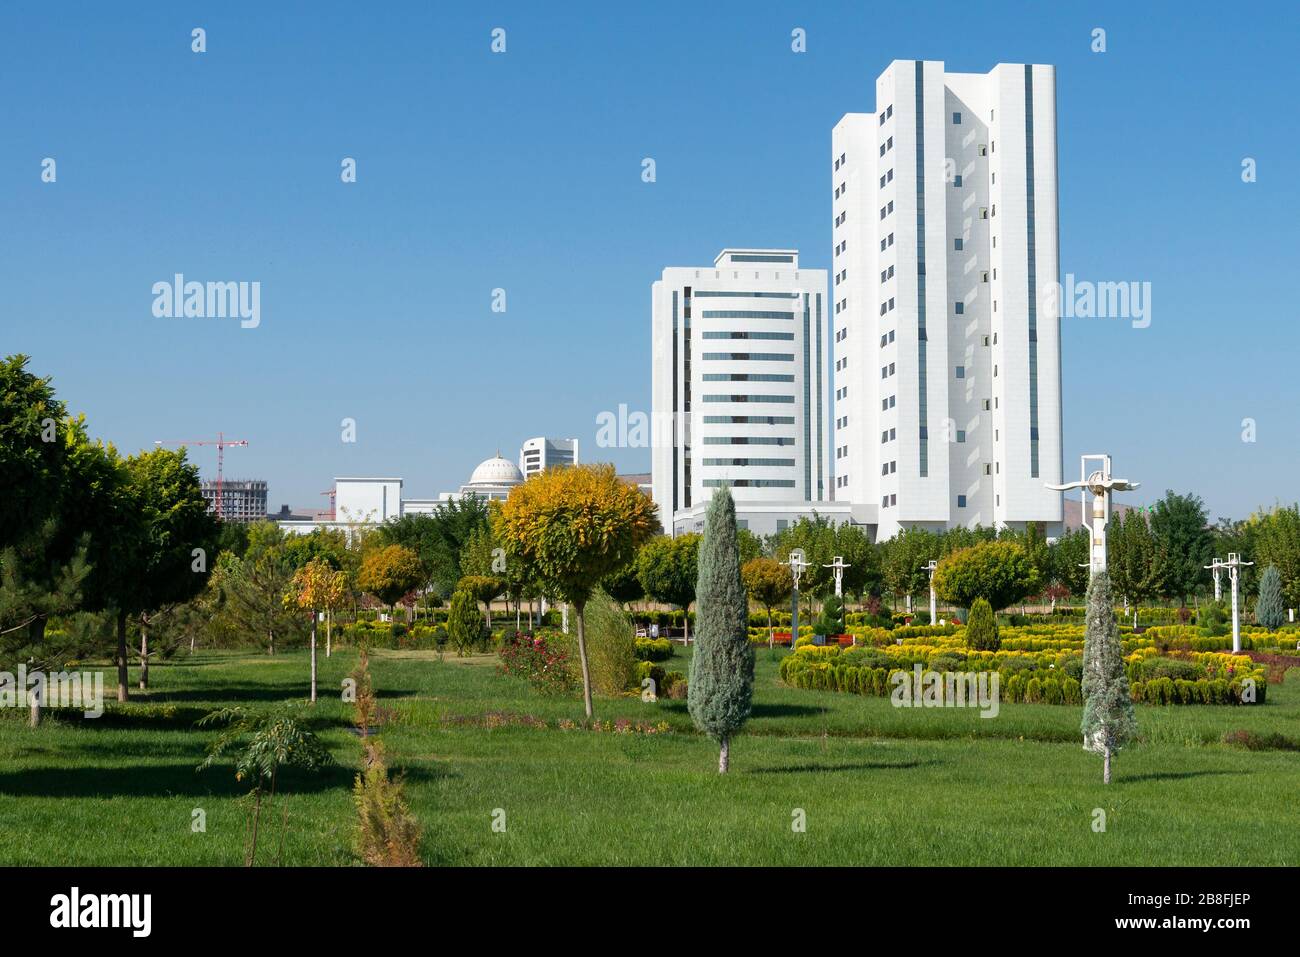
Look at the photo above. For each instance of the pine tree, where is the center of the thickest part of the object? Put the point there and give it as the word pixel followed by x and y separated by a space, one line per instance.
pixel 1108 719
pixel 721 688
pixel 1268 606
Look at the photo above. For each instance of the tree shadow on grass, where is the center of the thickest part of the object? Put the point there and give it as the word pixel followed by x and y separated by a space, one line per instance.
pixel 1175 775
pixel 256 691
pixel 760 710
pixel 179 779
pixel 855 766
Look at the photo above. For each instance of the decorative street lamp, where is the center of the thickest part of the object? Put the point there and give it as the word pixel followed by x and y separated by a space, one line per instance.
pixel 1215 565
pixel 797 565
pixel 839 566
pixel 1100 483
pixel 930 566
pixel 1233 564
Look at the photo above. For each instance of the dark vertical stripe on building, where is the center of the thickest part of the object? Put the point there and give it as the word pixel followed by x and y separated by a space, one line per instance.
pixel 1033 279
pixel 821 395
pixel 676 408
pixel 807 401
pixel 923 412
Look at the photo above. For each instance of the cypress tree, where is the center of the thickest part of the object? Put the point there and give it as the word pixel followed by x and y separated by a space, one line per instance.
pixel 1268 606
pixel 982 627
pixel 1108 719
pixel 721 687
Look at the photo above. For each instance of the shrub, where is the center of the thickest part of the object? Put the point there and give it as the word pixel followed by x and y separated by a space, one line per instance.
pixel 464 624
pixel 388 835
pixel 611 645
pixel 545 666
pixel 654 649
pixel 982 629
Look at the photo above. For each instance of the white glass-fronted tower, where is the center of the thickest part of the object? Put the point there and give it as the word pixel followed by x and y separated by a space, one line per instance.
pixel 947 407
pixel 739 388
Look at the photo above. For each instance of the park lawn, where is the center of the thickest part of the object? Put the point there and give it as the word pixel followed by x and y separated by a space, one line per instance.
pixel 875 784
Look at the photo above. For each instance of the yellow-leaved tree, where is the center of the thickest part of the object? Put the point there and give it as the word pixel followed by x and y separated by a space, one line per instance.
pixel 573 526
pixel 316 586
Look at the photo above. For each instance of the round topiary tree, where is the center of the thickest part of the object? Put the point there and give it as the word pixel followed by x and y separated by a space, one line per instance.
pixel 982 627
pixel 1268 607
pixel 1108 719
pixel 720 690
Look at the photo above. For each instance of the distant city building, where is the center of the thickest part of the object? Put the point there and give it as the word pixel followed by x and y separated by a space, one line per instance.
pixel 739 392
pixel 541 453
pixel 286 514
pixel 242 500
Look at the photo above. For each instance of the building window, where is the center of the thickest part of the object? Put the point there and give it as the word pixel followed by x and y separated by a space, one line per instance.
pixel 956 244
pixel 960 308
pixel 956 119
pixel 961 501
pixel 961 372
pixel 961 436
pixel 956 181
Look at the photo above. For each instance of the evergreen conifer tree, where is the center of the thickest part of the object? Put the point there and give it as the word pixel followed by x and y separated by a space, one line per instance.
pixel 721 688
pixel 982 627
pixel 1268 606
pixel 1108 719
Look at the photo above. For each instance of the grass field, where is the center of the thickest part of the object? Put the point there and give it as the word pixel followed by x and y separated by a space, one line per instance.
pixel 876 784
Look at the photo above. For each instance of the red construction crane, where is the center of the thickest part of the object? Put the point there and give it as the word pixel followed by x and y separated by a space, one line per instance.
pixel 331 494
pixel 220 442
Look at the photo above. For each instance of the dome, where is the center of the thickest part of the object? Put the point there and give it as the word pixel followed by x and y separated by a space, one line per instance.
pixel 496 471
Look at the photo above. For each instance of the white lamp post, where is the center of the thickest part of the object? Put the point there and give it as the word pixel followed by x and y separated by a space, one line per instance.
pixel 1102 485
pixel 797 565
pixel 1234 563
pixel 1216 564
pixel 930 566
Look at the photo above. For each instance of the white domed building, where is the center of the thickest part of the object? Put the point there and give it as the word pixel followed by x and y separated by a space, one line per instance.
pixel 492 479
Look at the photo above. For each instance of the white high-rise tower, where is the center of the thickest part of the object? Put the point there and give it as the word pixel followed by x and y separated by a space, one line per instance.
pixel 739 390
pixel 947 406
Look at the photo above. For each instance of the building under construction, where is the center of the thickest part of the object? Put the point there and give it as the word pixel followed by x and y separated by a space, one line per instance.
pixel 242 500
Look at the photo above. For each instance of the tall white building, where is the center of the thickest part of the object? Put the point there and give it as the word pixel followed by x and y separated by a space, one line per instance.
pixel 739 389
pixel 947 407
pixel 537 455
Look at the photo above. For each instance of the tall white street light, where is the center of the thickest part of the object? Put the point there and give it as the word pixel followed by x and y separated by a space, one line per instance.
pixel 930 566
pixel 1216 565
pixel 1102 485
pixel 1234 563
pixel 838 564
pixel 797 565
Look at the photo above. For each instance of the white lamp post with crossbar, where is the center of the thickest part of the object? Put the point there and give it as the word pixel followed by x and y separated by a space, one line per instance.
pixel 1102 486
pixel 797 565
pixel 930 566
pixel 1234 563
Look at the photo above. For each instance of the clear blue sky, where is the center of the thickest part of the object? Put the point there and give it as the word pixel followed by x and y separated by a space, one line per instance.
pixel 522 171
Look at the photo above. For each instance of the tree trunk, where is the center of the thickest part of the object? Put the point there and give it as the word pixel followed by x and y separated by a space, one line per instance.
pixel 586 671
pixel 257 814
pixel 313 657
pixel 1105 773
pixel 518 615
pixel 724 756
pixel 36 632
pixel 122 676
pixel 329 622
pixel 771 635
pixel 144 652
pixel 270 634
pixel 686 625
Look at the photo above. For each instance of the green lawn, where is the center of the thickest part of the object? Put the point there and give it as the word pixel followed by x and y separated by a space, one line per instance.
pixel 877 785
